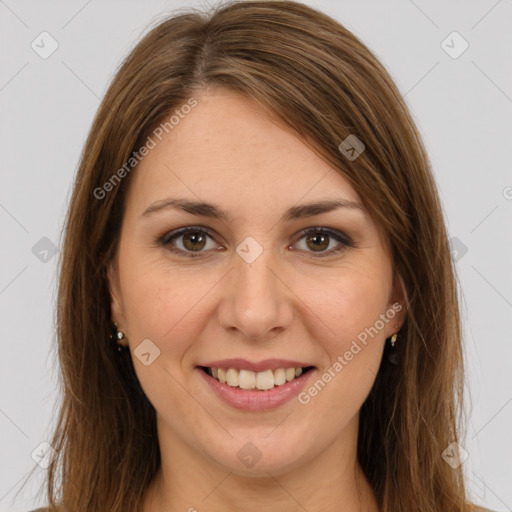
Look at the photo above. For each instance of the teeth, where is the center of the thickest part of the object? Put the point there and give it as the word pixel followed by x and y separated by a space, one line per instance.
pixel 222 375
pixel 279 376
pixel 247 379
pixel 232 377
pixel 290 374
pixel 265 380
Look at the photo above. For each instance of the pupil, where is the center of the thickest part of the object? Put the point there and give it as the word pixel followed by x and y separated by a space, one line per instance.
pixel 194 238
pixel 324 241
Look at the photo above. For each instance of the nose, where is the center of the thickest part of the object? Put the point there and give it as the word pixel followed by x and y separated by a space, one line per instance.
pixel 257 303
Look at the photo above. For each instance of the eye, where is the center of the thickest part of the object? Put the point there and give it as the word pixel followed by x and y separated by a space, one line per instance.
pixel 317 240
pixel 190 240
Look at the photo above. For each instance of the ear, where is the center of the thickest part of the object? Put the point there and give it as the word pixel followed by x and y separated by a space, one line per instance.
pixel 398 303
pixel 116 303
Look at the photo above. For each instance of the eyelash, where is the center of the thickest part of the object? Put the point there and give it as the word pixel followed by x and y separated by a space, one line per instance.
pixel 165 240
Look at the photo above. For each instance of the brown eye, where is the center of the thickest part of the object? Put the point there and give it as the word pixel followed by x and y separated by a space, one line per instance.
pixel 317 240
pixel 194 241
pixel 189 241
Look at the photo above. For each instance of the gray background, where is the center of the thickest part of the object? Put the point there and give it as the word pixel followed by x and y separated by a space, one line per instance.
pixel 463 109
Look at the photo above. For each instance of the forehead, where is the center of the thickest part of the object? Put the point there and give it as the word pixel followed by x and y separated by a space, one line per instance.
pixel 227 149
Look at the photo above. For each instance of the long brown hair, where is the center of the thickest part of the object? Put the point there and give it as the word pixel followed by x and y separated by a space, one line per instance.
pixel 323 82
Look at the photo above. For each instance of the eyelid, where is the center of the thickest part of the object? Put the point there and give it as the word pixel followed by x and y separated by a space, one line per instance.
pixel 335 233
pixel 165 240
pixel 344 242
pixel 180 231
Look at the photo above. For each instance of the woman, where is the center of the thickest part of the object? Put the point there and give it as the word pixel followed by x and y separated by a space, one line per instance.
pixel 257 305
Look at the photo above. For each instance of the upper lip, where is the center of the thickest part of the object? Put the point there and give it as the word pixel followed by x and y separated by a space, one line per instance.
pixel 260 366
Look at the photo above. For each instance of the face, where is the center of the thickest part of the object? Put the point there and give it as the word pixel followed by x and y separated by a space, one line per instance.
pixel 256 277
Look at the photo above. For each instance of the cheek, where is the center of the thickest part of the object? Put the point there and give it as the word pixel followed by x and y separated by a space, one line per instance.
pixel 345 307
pixel 166 306
pixel 347 324
pixel 170 310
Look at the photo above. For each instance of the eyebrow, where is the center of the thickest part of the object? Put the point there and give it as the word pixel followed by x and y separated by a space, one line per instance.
pixel 211 210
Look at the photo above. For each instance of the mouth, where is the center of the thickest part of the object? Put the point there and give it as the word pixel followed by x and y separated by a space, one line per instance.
pixel 253 381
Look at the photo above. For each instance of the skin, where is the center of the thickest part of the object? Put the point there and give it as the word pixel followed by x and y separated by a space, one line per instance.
pixel 289 303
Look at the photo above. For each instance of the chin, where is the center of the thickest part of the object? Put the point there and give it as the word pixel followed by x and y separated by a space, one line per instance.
pixel 255 456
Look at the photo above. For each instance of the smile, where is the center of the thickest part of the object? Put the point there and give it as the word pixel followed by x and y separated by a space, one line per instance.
pixel 255 391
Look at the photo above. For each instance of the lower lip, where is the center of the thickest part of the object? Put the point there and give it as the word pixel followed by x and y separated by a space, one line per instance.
pixel 256 400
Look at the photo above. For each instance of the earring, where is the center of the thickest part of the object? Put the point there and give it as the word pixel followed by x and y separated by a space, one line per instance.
pixel 392 353
pixel 117 335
